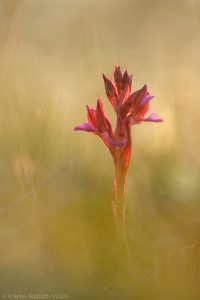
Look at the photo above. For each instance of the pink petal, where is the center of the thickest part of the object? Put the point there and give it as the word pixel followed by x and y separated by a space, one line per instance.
pixel 133 104
pixel 126 106
pixel 146 99
pixel 137 104
pixel 126 79
pixel 152 118
pixel 84 127
pixel 118 78
pixel 125 94
pixel 91 116
pixel 102 123
pixel 100 117
pixel 110 91
pixel 117 74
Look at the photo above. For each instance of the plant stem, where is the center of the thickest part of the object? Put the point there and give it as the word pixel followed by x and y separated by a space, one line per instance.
pixel 119 210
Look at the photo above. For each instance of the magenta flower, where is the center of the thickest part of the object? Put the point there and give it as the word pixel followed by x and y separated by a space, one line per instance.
pixel 130 109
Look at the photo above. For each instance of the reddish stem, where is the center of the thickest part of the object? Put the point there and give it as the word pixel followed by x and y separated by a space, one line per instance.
pixel 119 210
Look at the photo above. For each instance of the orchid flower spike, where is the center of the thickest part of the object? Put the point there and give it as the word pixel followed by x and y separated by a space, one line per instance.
pixel 130 108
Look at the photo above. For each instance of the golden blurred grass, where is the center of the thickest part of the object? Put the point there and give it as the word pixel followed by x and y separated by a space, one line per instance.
pixel 56 226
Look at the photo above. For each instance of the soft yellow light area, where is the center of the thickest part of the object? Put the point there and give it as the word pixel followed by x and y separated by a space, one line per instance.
pixel 56 223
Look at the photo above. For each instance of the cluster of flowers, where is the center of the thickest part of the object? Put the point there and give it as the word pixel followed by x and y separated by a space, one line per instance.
pixel 130 109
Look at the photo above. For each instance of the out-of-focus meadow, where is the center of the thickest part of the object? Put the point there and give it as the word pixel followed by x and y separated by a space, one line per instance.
pixel 56 223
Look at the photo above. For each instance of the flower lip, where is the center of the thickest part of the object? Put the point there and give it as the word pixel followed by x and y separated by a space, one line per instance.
pixel 84 127
pixel 153 118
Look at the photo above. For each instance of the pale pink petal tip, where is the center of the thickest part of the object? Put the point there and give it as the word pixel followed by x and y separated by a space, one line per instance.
pixel 147 99
pixel 84 127
pixel 153 118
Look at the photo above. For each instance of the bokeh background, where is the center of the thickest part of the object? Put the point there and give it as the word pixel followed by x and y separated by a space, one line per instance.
pixel 56 224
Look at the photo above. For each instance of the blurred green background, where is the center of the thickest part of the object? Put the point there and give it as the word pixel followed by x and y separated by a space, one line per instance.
pixel 56 223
